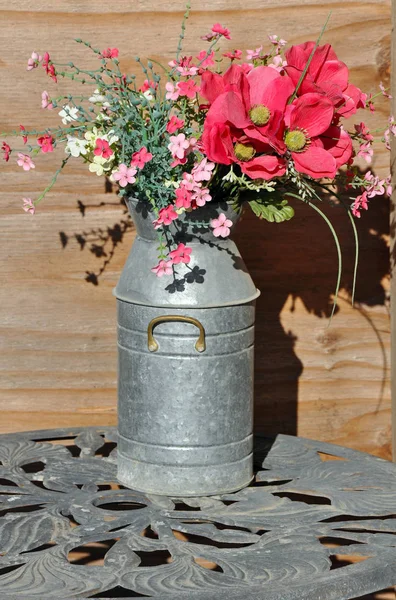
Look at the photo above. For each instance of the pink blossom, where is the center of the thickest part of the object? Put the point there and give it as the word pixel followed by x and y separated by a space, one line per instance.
pixel 278 63
pixel 184 66
pixel 363 132
pixel 188 88
pixel 25 162
pixel 46 143
pixel 34 61
pixel 124 175
pixel 102 148
pixel 164 267
pixel 384 90
pixel 201 196
pixel 274 39
pixel 140 158
pixel 188 181
pixel 376 186
pixel 206 60
pixel 165 216
pixel 366 152
pixel 234 55
pixel 359 203
pixel 178 145
pixel 392 125
pixel 254 54
pixel 6 149
pixel 110 53
pixel 28 206
pixel 181 254
pixel 221 226
pixel 46 101
pixel 174 124
pixel 172 91
pixel 388 186
pixel 203 170
pixel 183 197
pixel 370 103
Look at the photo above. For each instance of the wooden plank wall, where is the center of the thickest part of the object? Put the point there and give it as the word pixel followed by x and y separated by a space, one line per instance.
pixel 58 353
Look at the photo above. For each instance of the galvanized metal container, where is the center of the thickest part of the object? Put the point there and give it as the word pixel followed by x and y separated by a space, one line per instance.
pixel 185 389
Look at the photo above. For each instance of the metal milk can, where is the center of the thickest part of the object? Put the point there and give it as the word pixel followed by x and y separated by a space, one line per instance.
pixel 185 369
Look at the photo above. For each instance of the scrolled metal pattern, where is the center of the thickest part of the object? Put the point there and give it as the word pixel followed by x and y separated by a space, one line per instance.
pixel 318 522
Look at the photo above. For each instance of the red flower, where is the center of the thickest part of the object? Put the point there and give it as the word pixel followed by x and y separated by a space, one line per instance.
pixel 183 197
pixel 188 88
pixel 256 104
pixel 181 254
pixel 110 53
pixel 148 85
pixel 140 158
pixel 326 74
pixel 46 143
pixel 174 124
pixel 165 216
pixel 102 148
pixel 220 30
pixel 24 137
pixel 309 137
pixel 49 67
pixel 7 151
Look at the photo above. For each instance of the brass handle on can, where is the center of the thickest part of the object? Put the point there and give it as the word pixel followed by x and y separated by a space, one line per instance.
pixel 200 345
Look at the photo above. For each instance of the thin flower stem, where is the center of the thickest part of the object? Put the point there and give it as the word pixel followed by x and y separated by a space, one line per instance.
pixel 53 181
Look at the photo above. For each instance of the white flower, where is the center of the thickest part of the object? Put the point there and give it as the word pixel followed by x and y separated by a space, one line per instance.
pixel 76 146
pixel 99 165
pixel 98 98
pixel 68 114
pixel 148 95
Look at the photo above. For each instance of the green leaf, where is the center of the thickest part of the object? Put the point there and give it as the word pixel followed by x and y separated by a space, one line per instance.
pixel 274 213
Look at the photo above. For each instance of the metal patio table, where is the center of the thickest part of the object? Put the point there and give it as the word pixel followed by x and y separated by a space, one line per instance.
pixel 318 523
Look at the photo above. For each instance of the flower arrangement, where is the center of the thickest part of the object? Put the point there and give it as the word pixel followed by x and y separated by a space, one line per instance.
pixel 263 132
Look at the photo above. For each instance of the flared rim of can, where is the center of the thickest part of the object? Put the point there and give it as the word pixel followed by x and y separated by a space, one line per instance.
pixel 131 299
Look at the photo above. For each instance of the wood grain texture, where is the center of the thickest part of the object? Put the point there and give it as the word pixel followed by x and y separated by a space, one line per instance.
pixel 57 344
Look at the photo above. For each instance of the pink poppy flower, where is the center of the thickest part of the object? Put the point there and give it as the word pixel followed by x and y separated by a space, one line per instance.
pixel 206 59
pixel 188 88
pixel 25 162
pixel 164 267
pixel 6 149
pixel 46 143
pixel 102 148
pixel 34 61
pixel 255 104
pixel 178 145
pixel 46 101
pixel 234 55
pixel 165 216
pixel 181 254
pixel 124 175
pixel 140 158
pixel 174 124
pixel 172 91
pixel 49 67
pixel 307 119
pixel 28 206
pixel 110 53
pixel 221 226
pixel 326 74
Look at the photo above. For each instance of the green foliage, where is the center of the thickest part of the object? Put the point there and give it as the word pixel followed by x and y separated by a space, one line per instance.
pixel 272 212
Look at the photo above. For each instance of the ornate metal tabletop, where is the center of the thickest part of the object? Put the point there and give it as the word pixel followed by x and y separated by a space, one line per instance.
pixel 318 523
